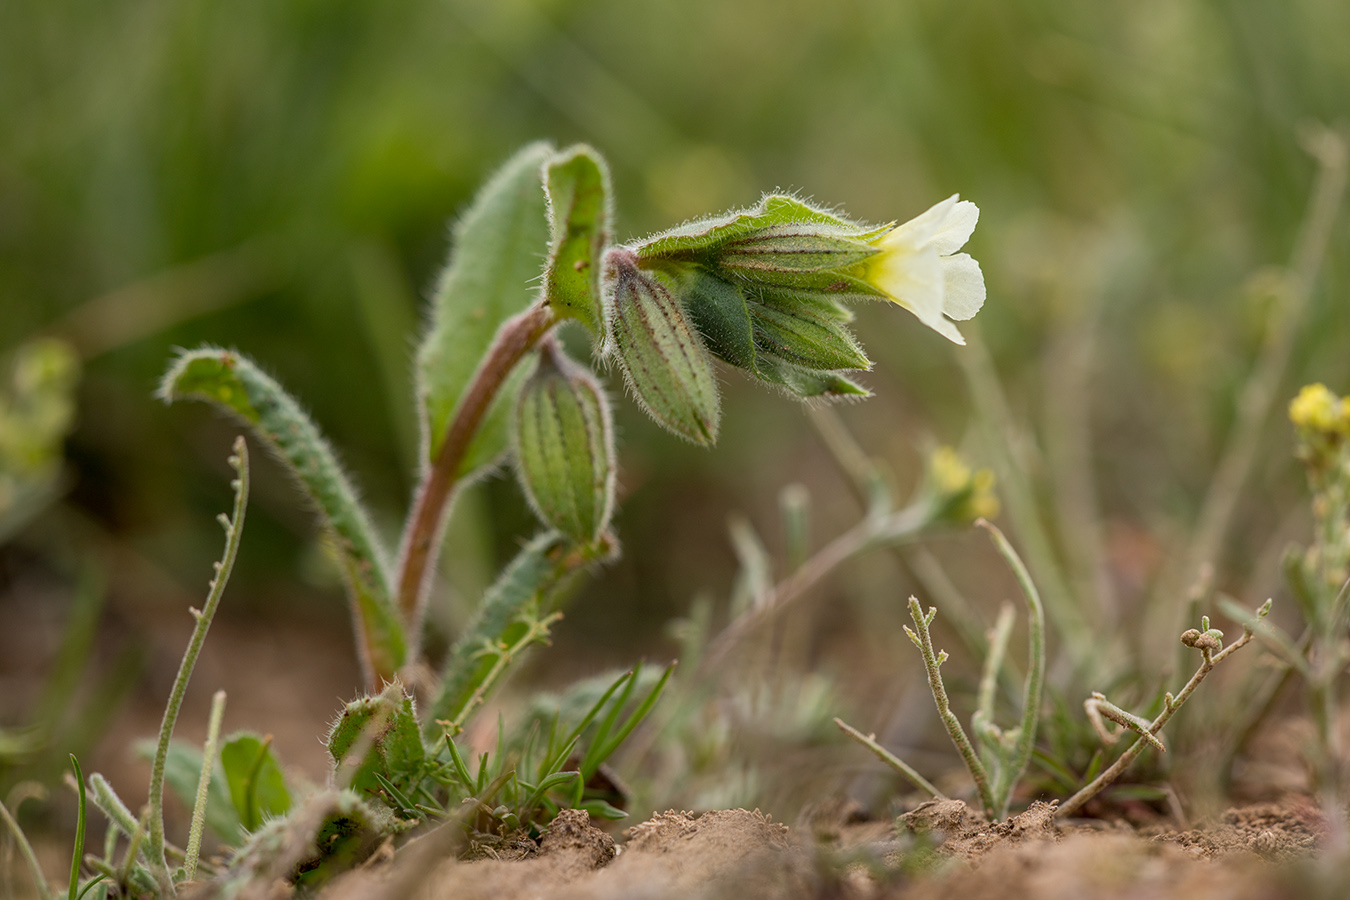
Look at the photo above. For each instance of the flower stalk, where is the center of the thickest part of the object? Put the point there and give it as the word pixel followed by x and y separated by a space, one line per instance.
pixel 426 523
pixel 234 527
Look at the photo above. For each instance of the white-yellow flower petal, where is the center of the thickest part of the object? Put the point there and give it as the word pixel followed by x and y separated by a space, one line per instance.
pixel 957 226
pixel 920 269
pixel 964 286
pixel 920 230
pixel 914 280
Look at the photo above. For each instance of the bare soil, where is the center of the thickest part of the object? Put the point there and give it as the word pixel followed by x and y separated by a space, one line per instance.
pixel 940 850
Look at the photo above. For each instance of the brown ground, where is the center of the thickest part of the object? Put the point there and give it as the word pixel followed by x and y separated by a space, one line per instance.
pixel 939 850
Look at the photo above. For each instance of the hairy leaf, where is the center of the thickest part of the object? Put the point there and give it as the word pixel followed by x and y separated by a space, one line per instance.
pixel 235 383
pixel 577 185
pixel 493 274
pixel 257 787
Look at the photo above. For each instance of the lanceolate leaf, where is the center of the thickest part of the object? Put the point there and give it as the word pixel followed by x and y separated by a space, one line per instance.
pixel 493 274
pixel 808 383
pixel 233 382
pixel 577 185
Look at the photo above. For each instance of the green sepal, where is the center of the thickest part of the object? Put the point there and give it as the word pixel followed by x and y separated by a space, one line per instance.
pixel 718 310
pixel 233 382
pixel 805 339
pixel 793 301
pixel 384 730
pixel 662 357
pixel 700 238
pixel 492 275
pixel 795 248
pixel 808 383
pixel 576 182
pixel 257 787
pixel 829 282
pixel 564 443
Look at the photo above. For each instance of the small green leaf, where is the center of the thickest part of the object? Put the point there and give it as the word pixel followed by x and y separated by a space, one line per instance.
pixel 661 355
pixel 384 730
pixel 257 787
pixel 577 184
pixel 492 275
pixel 564 444
pixel 234 382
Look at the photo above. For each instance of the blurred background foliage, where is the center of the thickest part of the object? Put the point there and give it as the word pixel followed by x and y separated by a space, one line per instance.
pixel 277 176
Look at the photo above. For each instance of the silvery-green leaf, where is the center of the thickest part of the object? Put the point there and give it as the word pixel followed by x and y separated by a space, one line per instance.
pixel 700 238
pixel 807 383
pixel 493 274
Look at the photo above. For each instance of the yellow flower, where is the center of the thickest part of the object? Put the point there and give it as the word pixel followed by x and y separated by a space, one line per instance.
pixel 920 269
pixel 960 495
pixel 1316 408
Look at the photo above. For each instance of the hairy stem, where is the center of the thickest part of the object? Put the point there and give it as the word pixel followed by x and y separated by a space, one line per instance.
pixel 1031 697
pixel 870 742
pixel 932 662
pixel 194 844
pixel 426 523
pixel 234 527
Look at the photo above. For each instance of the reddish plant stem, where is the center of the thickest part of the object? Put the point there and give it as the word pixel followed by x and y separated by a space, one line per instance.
pixel 426 523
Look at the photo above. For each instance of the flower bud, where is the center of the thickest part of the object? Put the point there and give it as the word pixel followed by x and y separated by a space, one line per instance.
pixel 564 444
pixel 662 357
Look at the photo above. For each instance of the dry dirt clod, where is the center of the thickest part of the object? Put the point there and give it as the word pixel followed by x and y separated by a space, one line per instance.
pixel 969 836
pixel 571 834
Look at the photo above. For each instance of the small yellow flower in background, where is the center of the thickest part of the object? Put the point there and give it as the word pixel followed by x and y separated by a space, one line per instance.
pixel 949 472
pixel 920 269
pixel 1316 408
pixel 960 495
